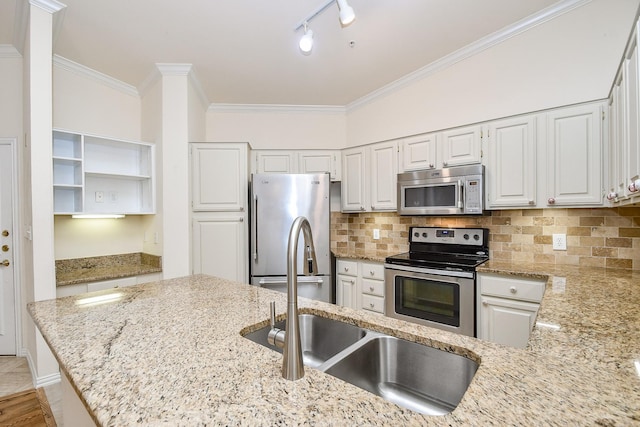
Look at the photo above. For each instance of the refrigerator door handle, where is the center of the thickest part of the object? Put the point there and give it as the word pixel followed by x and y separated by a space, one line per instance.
pixel 301 280
pixel 255 224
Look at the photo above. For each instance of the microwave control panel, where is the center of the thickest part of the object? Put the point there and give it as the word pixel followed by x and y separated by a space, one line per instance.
pixel 473 196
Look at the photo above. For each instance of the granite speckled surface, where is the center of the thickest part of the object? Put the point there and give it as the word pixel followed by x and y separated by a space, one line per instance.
pixel 92 269
pixel 377 256
pixel 171 353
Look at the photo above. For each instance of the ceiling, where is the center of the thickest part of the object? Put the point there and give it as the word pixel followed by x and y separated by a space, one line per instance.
pixel 246 51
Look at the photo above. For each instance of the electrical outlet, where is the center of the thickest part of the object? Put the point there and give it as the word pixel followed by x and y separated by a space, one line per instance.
pixel 376 234
pixel 559 242
pixel 99 196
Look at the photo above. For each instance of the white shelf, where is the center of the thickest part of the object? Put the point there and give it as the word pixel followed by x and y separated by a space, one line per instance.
pixel 98 175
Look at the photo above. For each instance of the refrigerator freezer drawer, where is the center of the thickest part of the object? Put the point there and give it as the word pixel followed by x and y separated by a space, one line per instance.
pixel 314 287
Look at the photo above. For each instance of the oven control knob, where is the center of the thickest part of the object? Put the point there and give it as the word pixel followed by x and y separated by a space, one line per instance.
pixel 416 234
pixel 466 237
pixel 476 237
pixel 424 234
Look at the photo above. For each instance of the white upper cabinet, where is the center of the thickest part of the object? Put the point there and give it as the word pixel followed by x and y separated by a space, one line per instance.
pixel 511 165
pixel 354 194
pixel 98 175
pixel 384 176
pixel 574 156
pixel 274 161
pixel 617 176
pixel 219 176
pixel 461 146
pixel 321 161
pixel 418 152
pixel 631 144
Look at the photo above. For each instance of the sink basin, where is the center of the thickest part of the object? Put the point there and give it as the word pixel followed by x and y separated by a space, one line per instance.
pixel 411 375
pixel 320 338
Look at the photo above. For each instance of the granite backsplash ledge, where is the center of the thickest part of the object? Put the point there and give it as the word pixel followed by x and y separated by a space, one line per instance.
pixel 598 237
pixel 82 270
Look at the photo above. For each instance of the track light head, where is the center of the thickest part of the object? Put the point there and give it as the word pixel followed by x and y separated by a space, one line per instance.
pixel 306 42
pixel 347 15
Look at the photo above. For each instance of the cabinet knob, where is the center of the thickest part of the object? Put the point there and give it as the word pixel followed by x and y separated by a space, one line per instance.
pixel 370 288
pixel 551 200
pixel 444 163
pixel 371 272
pixel 612 196
pixel 531 202
pixel 346 269
pixel 352 282
pixel 5 233
pixel 5 263
pixel 634 186
pixel 362 208
pixel 485 303
pixel 431 165
pixel 371 305
pixel 513 290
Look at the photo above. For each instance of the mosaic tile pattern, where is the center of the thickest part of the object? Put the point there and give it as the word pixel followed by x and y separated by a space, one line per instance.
pixel 604 237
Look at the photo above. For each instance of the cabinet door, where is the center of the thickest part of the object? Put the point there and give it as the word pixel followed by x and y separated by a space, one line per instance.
pixel 632 143
pixel 461 146
pixel 219 176
pixel 354 197
pixel 418 152
pixel 617 178
pixel 321 162
pixel 384 176
pixel 275 162
pixel 574 170
pixel 220 246
pixel 511 168
pixel 505 321
pixel 347 294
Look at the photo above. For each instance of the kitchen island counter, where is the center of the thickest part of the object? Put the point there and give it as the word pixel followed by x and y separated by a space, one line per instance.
pixel 171 353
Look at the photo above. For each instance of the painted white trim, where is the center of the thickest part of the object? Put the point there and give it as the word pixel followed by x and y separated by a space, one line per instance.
pixel 270 108
pixel 146 84
pixel 51 6
pixel 69 65
pixel 20 25
pixel 44 380
pixel 167 69
pixel 8 51
pixel 474 48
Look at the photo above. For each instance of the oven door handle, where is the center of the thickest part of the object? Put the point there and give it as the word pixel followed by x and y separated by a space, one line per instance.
pixel 420 270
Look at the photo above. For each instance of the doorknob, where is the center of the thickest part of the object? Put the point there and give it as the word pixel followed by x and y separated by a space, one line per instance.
pixel 5 233
pixel 5 248
pixel 5 263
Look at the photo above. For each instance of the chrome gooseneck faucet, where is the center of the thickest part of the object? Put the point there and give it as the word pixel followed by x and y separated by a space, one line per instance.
pixel 292 366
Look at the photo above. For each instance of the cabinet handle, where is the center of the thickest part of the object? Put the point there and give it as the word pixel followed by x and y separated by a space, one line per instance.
pixel 513 290
pixel 551 200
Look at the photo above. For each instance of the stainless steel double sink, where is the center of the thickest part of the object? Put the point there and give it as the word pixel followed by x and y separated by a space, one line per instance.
pixel 414 376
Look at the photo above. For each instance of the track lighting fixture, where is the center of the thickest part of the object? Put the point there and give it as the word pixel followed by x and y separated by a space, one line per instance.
pixel 347 16
pixel 306 42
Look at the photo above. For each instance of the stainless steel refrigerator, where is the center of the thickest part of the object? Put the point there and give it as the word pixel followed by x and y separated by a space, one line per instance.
pixel 276 201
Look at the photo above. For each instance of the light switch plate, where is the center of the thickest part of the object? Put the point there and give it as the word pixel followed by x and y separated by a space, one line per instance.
pixel 376 234
pixel 559 242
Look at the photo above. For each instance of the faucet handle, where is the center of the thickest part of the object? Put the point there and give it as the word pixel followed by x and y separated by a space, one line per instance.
pixel 272 310
pixel 276 336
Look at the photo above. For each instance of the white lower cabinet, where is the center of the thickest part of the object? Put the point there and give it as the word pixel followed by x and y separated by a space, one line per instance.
pixel 360 285
pixel 220 245
pixel 81 288
pixel 507 308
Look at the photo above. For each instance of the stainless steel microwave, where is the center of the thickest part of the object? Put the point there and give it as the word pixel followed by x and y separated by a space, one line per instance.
pixel 457 190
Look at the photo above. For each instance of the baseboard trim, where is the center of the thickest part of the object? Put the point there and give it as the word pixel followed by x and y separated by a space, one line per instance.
pixel 43 381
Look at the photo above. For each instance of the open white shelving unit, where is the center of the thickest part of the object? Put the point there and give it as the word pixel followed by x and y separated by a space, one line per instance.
pixel 98 175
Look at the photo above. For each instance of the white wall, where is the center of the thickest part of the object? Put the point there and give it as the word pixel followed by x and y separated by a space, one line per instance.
pixel 273 127
pixel 11 99
pixel 570 59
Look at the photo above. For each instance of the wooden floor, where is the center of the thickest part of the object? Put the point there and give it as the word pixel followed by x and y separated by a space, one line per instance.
pixel 26 409
pixel 15 378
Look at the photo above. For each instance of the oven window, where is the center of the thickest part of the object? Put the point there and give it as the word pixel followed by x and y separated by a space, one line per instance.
pixel 428 299
pixel 431 196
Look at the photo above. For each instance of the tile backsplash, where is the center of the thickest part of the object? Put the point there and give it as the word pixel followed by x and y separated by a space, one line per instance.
pixel 601 237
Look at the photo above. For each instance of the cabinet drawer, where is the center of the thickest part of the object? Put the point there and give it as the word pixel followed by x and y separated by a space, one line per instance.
pixel 109 284
pixel 349 268
pixel 511 287
pixel 373 303
pixel 373 271
pixel 373 287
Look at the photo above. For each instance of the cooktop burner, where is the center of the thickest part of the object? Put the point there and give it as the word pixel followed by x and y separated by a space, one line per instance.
pixel 445 248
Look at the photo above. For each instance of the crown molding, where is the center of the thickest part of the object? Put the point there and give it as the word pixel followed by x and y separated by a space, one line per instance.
pixel 270 108
pixel 174 69
pixel 74 67
pixel 8 51
pixel 472 49
pixel 51 6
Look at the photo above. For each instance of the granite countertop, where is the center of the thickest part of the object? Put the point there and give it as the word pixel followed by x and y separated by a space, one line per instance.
pixel 92 269
pixel 171 353
pixel 377 256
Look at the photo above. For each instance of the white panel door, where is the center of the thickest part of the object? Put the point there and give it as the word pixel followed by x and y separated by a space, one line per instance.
pixel 574 155
pixel 7 278
pixel 354 197
pixel 220 246
pixel 632 143
pixel 347 291
pixel 510 173
pixel 321 162
pixel 418 152
pixel 384 176
pixel 506 321
pixel 275 162
pixel 461 146
pixel 219 176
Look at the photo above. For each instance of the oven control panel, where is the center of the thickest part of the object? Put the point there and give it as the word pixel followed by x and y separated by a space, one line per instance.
pixel 457 236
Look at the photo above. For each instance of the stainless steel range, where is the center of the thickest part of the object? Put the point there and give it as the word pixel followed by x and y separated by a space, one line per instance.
pixel 434 284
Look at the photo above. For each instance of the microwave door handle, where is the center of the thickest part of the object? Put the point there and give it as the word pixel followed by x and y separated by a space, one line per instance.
pixel 460 195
